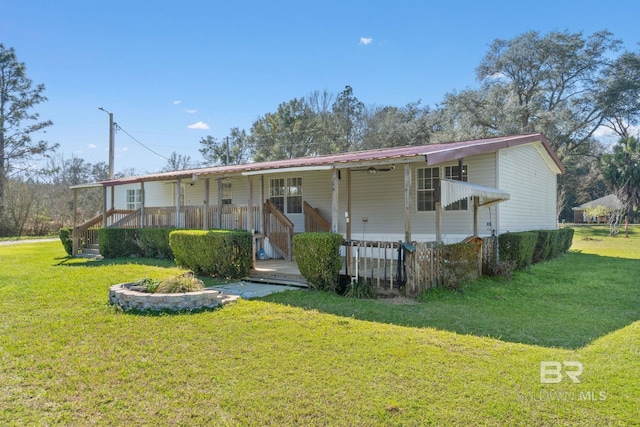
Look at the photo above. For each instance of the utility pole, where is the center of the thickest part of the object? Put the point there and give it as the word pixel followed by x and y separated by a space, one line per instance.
pixel 111 141
pixel 227 151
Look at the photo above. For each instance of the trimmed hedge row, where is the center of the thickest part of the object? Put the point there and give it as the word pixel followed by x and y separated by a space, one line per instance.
pixel 65 234
pixel 318 258
pixel 142 242
pixel 218 253
pixel 526 247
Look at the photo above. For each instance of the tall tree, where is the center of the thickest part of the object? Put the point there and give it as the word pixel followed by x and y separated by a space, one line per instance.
pixel 621 172
pixel 177 162
pixel 288 133
pixel 17 124
pixel 349 114
pixel 233 150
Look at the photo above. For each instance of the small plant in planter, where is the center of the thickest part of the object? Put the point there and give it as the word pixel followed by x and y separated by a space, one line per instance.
pixel 186 282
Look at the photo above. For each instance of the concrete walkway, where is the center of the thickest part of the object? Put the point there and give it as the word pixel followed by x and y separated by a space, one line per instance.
pixel 16 242
pixel 248 290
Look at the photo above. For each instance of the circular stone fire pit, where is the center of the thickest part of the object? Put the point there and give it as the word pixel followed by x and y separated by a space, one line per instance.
pixel 123 296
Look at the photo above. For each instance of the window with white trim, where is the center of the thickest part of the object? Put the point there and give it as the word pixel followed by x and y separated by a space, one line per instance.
pixel 286 194
pixel 453 172
pixel 134 199
pixel 226 196
pixel 428 181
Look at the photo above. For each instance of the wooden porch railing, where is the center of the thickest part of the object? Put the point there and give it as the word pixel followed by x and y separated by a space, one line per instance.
pixel 372 261
pixel 193 217
pixel 425 267
pixel 313 221
pixel 279 229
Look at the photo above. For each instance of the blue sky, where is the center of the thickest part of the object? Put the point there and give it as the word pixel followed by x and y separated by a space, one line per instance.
pixel 173 72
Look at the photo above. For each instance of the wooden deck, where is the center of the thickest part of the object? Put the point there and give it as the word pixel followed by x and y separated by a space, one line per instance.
pixel 277 271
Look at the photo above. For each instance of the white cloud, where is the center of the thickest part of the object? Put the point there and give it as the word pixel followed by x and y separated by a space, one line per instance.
pixel 199 125
pixel 191 111
pixel 177 102
pixel 93 146
pixel 366 40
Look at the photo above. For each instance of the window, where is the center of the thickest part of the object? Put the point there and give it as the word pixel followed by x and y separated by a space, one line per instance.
pixel 226 196
pixel 453 172
pixel 428 181
pixel 286 194
pixel 134 199
pixel 294 195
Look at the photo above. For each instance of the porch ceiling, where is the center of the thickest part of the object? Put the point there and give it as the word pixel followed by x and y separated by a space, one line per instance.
pixel 451 191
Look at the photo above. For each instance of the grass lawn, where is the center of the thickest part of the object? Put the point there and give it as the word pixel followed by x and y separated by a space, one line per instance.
pixel 310 358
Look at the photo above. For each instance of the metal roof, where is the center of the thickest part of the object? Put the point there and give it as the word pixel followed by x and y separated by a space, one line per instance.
pixel 431 153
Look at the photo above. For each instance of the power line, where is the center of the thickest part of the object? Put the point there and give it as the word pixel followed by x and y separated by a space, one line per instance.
pixel 130 136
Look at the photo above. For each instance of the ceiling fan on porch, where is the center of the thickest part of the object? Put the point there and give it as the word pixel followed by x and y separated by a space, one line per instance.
pixel 374 170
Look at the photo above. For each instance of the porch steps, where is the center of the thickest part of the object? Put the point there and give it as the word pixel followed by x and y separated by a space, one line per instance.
pixel 91 251
pixel 276 278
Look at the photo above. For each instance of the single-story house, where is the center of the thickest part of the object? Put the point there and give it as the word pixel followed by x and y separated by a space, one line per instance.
pixel 609 203
pixel 427 193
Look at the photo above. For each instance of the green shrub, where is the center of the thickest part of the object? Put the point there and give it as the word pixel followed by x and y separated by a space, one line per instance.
pixel 503 269
pixel 184 283
pixel 517 247
pixel 318 258
pixel 217 253
pixel 460 263
pixel 140 242
pixel 118 242
pixel 66 237
pixel 154 242
pixel 546 245
pixel 360 289
pixel 566 239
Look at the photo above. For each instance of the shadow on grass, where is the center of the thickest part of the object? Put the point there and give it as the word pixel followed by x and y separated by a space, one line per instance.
pixel 566 303
pixel 87 262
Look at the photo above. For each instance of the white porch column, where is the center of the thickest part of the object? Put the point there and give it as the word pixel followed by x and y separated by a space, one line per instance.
pixel 251 224
pixel 142 224
pixel 178 203
pixel 407 202
pixel 104 207
pixel 219 203
pixel 205 219
pixel 334 201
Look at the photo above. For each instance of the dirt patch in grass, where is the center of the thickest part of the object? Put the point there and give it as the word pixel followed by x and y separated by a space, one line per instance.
pixel 399 300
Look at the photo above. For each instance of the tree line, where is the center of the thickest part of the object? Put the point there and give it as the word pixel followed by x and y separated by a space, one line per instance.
pixel 569 86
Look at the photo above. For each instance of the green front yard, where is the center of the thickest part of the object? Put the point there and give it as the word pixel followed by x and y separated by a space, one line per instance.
pixel 310 358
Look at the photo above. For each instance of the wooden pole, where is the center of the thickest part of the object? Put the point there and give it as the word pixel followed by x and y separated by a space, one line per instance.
pixel 475 216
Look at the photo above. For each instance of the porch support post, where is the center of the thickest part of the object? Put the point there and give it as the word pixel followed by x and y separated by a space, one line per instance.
pixel 74 239
pixel 104 207
pixel 407 203
pixel 262 224
pixel 142 224
pixel 475 215
pixel 334 201
pixel 205 219
pixel 219 203
pixel 438 222
pixel 348 216
pixel 113 197
pixel 251 221
pixel 178 189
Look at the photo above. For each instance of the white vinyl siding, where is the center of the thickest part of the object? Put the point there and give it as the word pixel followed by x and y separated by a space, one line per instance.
pixel 527 177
